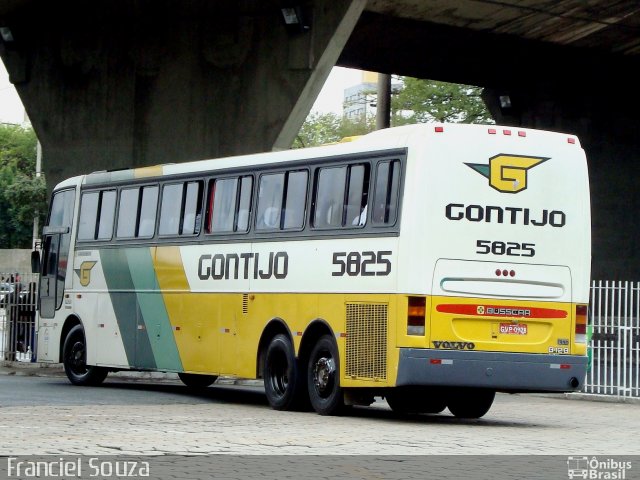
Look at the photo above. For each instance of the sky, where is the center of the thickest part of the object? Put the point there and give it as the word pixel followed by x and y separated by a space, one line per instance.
pixel 329 100
pixel 11 109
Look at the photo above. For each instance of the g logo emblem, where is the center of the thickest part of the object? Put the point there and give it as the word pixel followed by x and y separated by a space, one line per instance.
pixel 480 310
pixel 84 273
pixel 507 173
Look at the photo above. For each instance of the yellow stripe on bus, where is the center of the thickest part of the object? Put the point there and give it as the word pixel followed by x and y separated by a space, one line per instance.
pixel 145 172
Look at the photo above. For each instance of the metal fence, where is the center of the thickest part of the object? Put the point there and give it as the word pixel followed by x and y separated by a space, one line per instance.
pixel 17 317
pixel 615 342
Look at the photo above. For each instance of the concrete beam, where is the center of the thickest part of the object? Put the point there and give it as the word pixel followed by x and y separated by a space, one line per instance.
pixel 145 82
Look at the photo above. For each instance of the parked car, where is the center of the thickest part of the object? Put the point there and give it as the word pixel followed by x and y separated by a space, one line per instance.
pixel 6 290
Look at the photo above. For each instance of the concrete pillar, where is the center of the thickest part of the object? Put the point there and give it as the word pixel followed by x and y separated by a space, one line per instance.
pixel 125 84
pixel 603 114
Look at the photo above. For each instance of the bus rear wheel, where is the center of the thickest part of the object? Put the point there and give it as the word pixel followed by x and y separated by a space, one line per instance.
pixel 283 380
pixel 407 401
pixel 470 402
pixel 193 380
pixel 74 356
pixel 323 378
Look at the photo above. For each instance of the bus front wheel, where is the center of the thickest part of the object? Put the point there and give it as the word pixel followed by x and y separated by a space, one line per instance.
pixel 283 380
pixel 469 402
pixel 323 378
pixel 74 355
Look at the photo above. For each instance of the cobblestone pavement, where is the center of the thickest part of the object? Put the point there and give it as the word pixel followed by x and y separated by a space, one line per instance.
pixel 516 425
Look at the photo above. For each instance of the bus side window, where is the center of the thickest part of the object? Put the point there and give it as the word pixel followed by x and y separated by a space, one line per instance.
pixel 229 205
pixel 137 212
pixel 270 194
pixel 385 198
pixel 341 196
pixel 170 209
pixel 329 197
pixel 127 212
pixel 148 208
pixel 281 200
pixel 97 212
pixel 192 204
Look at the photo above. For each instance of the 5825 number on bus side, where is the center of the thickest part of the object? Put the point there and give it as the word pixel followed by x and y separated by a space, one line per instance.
pixel 513 249
pixel 365 264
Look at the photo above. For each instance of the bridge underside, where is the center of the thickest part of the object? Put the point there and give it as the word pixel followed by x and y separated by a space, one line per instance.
pixel 157 81
pixel 125 84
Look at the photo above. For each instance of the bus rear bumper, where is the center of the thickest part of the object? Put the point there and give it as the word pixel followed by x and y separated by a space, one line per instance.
pixel 510 372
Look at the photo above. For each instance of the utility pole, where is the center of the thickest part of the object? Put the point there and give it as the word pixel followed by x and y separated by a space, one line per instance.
pixel 383 107
pixel 36 225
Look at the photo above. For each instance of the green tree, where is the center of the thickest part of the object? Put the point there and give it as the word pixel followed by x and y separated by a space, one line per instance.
pixel 21 193
pixel 422 101
pixel 326 128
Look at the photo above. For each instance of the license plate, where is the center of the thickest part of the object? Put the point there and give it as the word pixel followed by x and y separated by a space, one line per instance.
pixel 513 328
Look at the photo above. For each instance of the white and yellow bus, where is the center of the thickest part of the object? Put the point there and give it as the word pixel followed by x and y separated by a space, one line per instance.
pixel 433 265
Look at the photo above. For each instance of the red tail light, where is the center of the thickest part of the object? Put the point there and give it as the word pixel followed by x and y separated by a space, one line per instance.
pixel 582 316
pixel 416 314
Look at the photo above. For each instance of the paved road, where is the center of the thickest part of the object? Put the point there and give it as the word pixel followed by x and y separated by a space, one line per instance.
pixel 50 416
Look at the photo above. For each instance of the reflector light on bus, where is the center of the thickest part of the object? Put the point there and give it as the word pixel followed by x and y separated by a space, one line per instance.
pixel 441 361
pixel 522 134
pixel 492 131
pixel 439 129
pixel 571 140
pixel 416 313
pixel 506 132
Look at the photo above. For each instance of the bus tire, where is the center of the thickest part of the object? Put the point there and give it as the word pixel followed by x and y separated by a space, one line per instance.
pixel 74 358
pixel 193 380
pixel 323 378
pixel 283 380
pixel 470 402
pixel 408 401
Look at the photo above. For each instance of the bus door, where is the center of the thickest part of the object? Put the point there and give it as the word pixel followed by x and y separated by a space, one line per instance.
pixel 56 236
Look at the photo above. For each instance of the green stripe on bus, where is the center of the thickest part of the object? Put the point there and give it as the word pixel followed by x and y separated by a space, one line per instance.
pixel 125 305
pixel 107 177
pixel 154 312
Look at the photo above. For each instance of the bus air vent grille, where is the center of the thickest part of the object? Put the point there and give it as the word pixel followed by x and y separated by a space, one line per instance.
pixel 367 340
pixel 245 303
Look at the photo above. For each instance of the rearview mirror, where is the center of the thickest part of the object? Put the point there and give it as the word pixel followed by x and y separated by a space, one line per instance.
pixel 35 262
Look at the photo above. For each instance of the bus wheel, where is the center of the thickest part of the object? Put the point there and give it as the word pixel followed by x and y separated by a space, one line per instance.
pixel 470 403
pixel 323 378
pixel 74 354
pixel 406 401
pixel 193 380
pixel 283 381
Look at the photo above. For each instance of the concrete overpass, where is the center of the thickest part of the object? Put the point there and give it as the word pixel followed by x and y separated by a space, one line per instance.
pixel 118 84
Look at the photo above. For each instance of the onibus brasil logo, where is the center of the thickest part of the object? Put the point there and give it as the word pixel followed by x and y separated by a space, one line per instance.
pixel 507 173
pixel 595 468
